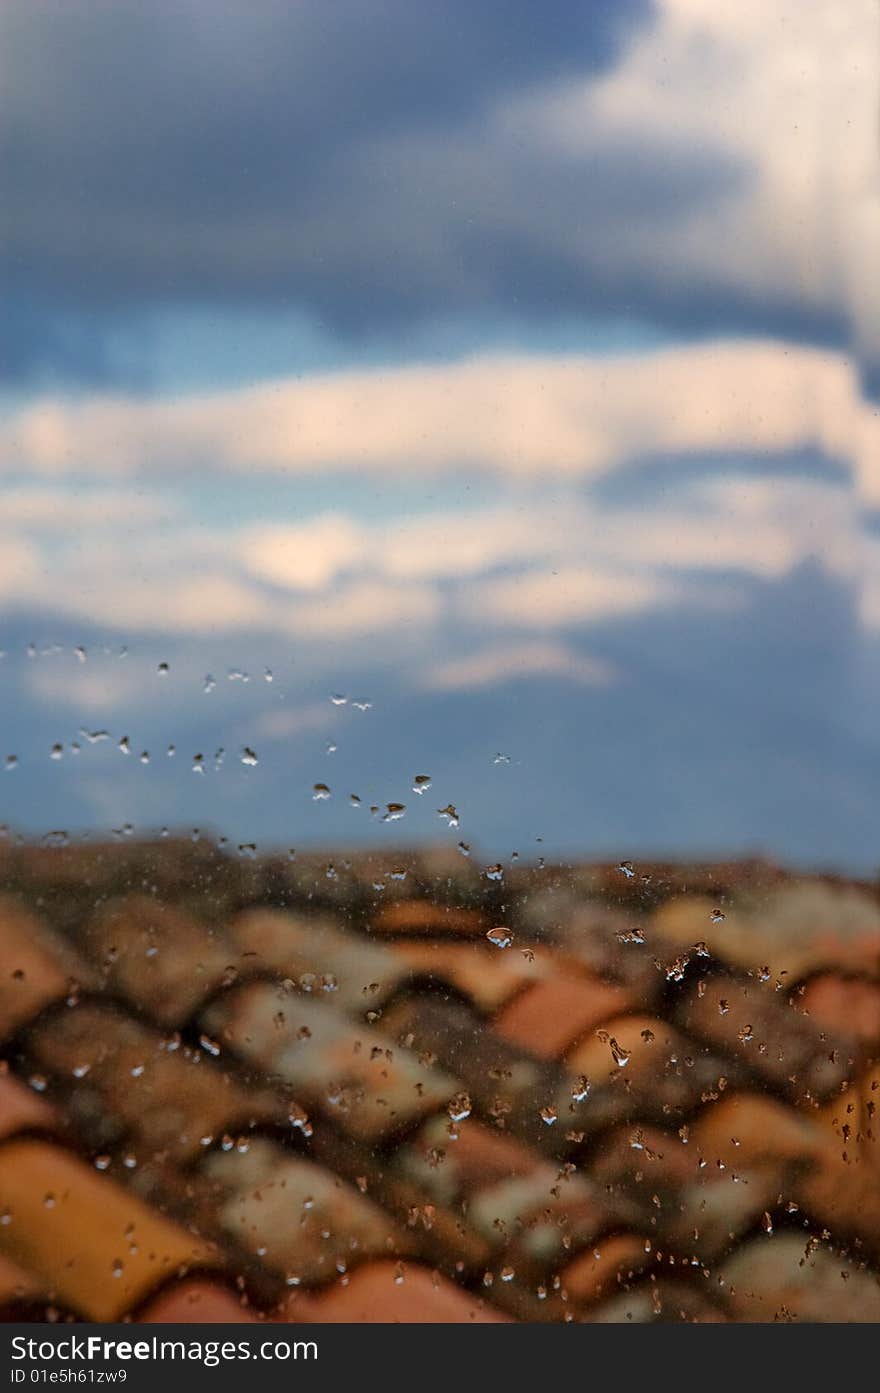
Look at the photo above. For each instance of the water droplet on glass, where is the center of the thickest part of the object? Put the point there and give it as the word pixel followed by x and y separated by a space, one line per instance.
pixel 495 872
pixel 338 699
pixel 450 813
pixel 163 669
pixel 320 793
pixel 421 783
pixel 80 653
pixel 581 1089
pixel 124 747
pixel 362 705
pixel 249 757
pixel 56 752
pixel 394 812
pixel 464 848
pixel 501 937
pixel 209 683
pixel 11 761
pixel 626 867
pixel 548 1115
pixel 459 1107
pixel 717 916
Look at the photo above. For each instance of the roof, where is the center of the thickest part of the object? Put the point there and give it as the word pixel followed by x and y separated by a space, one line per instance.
pixel 237 1088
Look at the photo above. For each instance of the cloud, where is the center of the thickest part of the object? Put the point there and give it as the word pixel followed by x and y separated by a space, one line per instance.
pixel 509 663
pixel 75 510
pixel 676 162
pixel 200 159
pixel 521 416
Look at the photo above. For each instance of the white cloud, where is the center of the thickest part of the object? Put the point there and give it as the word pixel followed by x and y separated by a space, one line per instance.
pixel 782 91
pixel 571 596
pixel 526 416
pixel 508 663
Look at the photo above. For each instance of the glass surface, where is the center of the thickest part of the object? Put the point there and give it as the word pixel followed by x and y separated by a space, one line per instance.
pixel 440 628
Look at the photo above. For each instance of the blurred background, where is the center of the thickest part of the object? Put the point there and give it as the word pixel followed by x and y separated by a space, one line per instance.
pixel 475 394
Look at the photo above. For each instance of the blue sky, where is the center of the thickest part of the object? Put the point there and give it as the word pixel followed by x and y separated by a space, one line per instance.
pixel 506 367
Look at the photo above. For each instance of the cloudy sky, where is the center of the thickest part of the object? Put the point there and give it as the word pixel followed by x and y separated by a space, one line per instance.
pixel 482 391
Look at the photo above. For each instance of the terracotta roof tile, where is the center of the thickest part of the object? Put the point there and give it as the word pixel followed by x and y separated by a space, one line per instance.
pixel 657 1302
pixel 796 1277
pixel 390 1293
pixel 599 1271
pixel 296 1216
pixel 481 973
pixel 428 917
pixel 314 951
pixel 846 1006
pixel 195 1301
pixel 755 1024
pixel 22 1110
pixel 796 928
pixel 351 1105
pixel 337 1064
pixel 551 1015
pixel 35 970
pixel 157 956
pixel 642 1065
pixel 18 1286
pixel 841 1190
pixel 128 1081
pixel 100 1247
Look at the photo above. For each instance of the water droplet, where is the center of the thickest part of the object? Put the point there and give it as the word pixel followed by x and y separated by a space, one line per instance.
pixel 268 675
pixel 421 783
pixel 501 759
pixel 210 1045
pixel 331 748
pixel 338 699
pixel 581 1089
pixel 746 1035
pixel 548 1115
pixel 249 757
pixel 495 872
pixel 626 867
pixel 248 850
pixel 501 937
pixel 209 683
pixel 464 848
pixel 171 751
pixel 94 736
pixel 124 747
pixel 717 916
pixel 145 756
pixel 394 812
pixel 56 752
pixel 80 653
pixel 163 669
pixel 354 800
pixel 459 1107
pixel 11 761
pixel 198 764
pixel 320 793
pixel 450 813
pixel 621 1055
pixel 362 705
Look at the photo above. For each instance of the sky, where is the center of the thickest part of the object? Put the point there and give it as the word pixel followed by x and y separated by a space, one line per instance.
pixel 470 406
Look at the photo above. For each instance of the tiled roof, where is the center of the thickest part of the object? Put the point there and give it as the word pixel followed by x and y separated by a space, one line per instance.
pixel 261 1089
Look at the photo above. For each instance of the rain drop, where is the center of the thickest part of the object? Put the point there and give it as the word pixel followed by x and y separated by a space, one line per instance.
pixel 501 937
